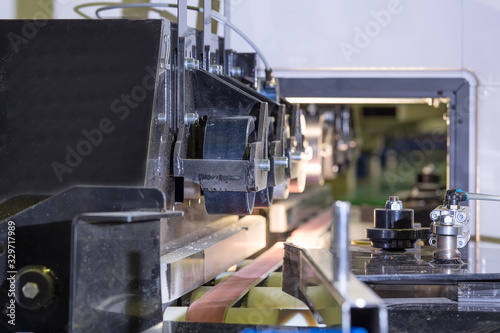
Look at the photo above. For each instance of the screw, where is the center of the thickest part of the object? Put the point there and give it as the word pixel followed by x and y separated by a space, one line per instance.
pixel 460 243
pixel 434 216
pixel 264 165
pixel 30 290
pixel 461 217
pixel 190 64
pixel 281 161
pixel 191 118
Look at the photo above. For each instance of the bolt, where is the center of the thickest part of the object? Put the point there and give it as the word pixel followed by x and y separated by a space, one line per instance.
pixel 394 203
pixel 264 165
pixel 296 156
pixel 190 64
pixel 216 69
pixel 30 290
pixel 162 63
pixel 236 71
pixel 161 118
pixel 191 118
pixel 447 220
pixel 461 217
pixel 434 216
pixel 281 161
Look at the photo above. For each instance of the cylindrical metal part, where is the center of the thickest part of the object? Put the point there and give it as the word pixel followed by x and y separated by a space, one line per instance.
pixel 340 241
pixel 479 196
pixel 446 248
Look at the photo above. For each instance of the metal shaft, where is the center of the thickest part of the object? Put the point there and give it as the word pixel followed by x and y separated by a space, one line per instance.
pixel 446 247
pixel 340 241
pixel 479 196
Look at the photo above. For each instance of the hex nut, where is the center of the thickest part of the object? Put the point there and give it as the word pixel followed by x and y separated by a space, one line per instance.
pixel 447 220
pixel 30 290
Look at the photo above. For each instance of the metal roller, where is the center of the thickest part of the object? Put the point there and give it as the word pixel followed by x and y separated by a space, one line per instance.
pixel 282 191
pixel 329 167
pixel 264 198
pixel 298 184
pixel 314 134
pixel 228 138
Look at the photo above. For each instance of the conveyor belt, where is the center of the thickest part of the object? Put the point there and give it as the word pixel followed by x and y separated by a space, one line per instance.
pixel 212 306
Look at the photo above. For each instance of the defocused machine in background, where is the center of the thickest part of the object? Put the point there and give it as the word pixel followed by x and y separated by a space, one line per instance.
pixel 154 178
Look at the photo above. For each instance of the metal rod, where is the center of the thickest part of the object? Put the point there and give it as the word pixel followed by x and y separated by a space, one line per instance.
pixel 227 29
pixel 479 196
pixel 207 32
pixel 340 241
pixel 182 18
pixel 180 70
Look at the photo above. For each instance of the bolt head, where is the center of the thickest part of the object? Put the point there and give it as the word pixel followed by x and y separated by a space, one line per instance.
pixel 447 220
pixel 191 118
pixel 264 165
pixel 30 290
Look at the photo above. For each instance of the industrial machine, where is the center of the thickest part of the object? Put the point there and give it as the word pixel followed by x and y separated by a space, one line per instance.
pixel 143 162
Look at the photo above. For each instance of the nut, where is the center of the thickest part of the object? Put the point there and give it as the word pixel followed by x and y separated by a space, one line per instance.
pixel 394 203
pixel 447 220
pixel 30 290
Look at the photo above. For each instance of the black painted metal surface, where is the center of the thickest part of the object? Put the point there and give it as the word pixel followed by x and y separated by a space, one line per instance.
pixel 115 283
pixel 447 317
pixel 43 240
pixel 76 100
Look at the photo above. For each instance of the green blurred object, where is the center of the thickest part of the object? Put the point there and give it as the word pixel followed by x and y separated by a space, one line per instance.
pixel 37 10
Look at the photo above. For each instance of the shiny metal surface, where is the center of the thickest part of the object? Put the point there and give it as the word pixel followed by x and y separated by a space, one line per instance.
pixel 416 266
pixel 446 248
pixel 191 260
pixel 284 215
pixel 340 242
pixel 212 306
pixel 308 274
